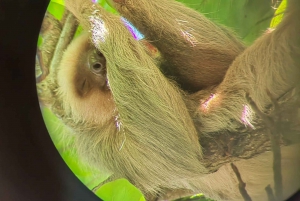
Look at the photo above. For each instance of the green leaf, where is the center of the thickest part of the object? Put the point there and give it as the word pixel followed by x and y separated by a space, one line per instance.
pixel 56 9
pixel 107 6
pixel 61 2
pixel 89 177
pixel 40 41
pixel 248 18
pixel 119 190
pixel 278 14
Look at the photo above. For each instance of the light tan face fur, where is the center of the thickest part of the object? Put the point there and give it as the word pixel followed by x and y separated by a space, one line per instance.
pixel 83 83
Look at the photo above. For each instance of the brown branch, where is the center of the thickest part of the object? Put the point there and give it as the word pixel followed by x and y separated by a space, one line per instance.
pixel 270 193
pixel 242 184
pixel 65 38
pixel 274 133
pixel 107 180
pixel 275 143
pixel 49 23
pixel 247 143
pixel 65 17
pixel 40 63
pixel 94 190
pixel 277 166
pixel 50 32
pixel 266 118
pixel 55 41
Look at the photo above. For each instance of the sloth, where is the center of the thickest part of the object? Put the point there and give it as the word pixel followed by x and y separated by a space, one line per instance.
pixel 221 49
pixel 134 117
pixel 196 52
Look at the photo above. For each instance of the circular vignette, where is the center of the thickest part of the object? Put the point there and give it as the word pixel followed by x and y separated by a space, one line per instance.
pixel 31 168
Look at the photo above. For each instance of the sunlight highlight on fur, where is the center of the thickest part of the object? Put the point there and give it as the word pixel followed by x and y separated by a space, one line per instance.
pixel 247 116
pixel 98 28
pixel 206 105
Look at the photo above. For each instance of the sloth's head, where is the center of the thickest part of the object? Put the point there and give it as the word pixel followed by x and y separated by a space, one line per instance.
pixel 82 88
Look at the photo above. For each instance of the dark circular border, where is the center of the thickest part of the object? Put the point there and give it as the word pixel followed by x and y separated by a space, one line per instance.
pixel 30 166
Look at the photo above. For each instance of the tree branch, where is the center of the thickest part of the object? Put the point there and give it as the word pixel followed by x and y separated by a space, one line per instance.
pixel 274 133
pixel 50 32
pixel 242 184
pixel 65 38
pixel 270 193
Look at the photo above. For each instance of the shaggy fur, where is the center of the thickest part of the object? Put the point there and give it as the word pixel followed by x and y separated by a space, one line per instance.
pixel 271 63
pixel 139 128
pixel 196 52
pixel 138 134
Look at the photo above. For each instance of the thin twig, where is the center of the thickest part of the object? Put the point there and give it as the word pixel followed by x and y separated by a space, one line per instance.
pixel 109 179
pixel 270 193
pixel 275 143
pixel 274 133
pixel 65 17
pixel 66 37
pixel 50 32
pixel 42 67
pixel 242 185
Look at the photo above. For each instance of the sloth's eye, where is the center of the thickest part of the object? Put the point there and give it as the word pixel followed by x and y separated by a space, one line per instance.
pixel 97 68
pixel 96 62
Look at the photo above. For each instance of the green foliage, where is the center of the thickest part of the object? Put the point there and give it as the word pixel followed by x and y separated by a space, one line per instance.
pixel 119 190
pixel 56 8
pixel 40 40
pixel 197 197
pixel 55 128
pixel 248 18
pixel 278 14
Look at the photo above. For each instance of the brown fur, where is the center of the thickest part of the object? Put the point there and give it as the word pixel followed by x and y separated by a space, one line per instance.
pixel 271 63
pixel 157 147
pixel 194 66
pixel 154 147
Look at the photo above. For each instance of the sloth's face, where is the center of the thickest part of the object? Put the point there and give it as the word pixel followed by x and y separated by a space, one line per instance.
pixel 82 82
